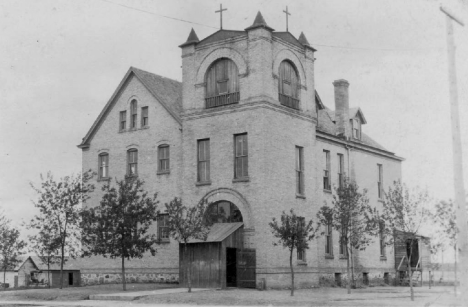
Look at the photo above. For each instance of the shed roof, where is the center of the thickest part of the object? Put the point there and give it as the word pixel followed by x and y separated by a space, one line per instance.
pixel 219 232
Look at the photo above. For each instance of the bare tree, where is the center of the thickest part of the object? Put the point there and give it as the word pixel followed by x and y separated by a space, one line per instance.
pixel 118 227
pixel 59 203
pixel 353 217
pixel 445 216
pixel 294 233
pixel 186 223
pixel 404 213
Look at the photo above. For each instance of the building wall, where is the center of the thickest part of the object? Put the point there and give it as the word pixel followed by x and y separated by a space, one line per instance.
pixel 361 167
pixel 163 129
pixel 8 278
pixel 24 273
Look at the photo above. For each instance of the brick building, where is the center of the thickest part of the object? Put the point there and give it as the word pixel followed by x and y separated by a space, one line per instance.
pixel 246 130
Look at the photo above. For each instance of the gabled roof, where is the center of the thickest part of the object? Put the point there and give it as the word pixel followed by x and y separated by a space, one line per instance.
pixel 70 264
pixel 167 91
pixel 353 112
pixel 220 36
pixel 219 232
pixel 326 124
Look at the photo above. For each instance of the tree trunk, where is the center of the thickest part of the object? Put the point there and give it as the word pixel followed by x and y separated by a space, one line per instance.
pixel 348 284
pixel 124 283
pixel 189 268
pixel 62 257
pixel 4 277
pixel 455 269
pixel 48 273
pixel 442 278
pixel 352 268
pixel 410 274
pixel 292 272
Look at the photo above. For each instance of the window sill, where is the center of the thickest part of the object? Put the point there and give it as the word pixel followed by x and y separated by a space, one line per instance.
pixel 131 176
pixel 329 257
pixel 301 263
pixel 380 200
pixel 104 179
pixel 244 179
pixel 202 183
pixel 163 172
pixel 343 257
pixel 383 258
pixel 327 191
pixel 300 196
pixel 164 241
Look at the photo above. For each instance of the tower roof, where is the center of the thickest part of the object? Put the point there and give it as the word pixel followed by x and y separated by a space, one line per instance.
pixel 192 39
pixel 259 22
pixel 303 40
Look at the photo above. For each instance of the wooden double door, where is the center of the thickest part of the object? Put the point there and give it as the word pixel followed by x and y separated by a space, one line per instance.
pixel 240 268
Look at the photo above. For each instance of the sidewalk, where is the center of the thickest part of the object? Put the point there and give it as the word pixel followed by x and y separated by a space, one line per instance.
pixel 130 296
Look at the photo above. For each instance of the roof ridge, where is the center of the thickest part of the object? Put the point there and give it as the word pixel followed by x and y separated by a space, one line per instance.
pixel 148 72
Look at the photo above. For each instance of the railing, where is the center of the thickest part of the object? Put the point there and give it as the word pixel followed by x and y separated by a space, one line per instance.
pixel 289 101
pixel 222 100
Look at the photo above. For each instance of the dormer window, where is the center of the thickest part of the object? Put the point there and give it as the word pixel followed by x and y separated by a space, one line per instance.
pixel 356 126
pixel 222 84
pixel 288 85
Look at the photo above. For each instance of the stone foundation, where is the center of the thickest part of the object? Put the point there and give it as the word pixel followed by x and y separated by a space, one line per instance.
pixel 88 279
pixel 374 279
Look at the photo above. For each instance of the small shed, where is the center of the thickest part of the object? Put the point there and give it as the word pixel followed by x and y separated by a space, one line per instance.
pixel 420 259
pixel 219 262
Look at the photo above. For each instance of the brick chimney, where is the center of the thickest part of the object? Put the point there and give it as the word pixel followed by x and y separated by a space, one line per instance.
pixel 342 107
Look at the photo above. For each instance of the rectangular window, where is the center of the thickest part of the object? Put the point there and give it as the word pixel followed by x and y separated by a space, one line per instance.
pixel 328 238
pixel 382 238
pixel 144 116
pixel 356 129
pixel 132 158
pixel 343 247
pixel 299 171
pixel 133 114
pixel 380 181
pixel 203 160
pixel 103 166
pixel 163 158
pixel 326 170
pixel 123 120
pixel 241 163
pixel 163 227
pixel 301 255
pixel 340 171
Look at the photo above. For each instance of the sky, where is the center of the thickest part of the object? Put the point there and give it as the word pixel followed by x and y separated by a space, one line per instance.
pixel 61 60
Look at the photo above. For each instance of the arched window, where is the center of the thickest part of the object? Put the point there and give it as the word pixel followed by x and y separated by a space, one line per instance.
pixel 223 212
pixel 288 86
pixel 222 84
pixel 103 166
pixel 132 162
pixel 133 114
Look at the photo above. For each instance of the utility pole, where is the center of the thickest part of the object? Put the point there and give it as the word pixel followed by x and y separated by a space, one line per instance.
pixel 462 237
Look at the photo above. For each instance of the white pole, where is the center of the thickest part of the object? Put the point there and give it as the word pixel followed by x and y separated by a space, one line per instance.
pixel 462 238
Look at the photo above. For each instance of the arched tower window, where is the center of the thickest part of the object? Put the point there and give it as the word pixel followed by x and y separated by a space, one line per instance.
pixel 222 84
pixel 223 212
pixel 288 86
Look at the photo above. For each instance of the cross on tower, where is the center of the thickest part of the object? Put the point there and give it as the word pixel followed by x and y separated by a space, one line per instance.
pixel 221 15
pixel 287 13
